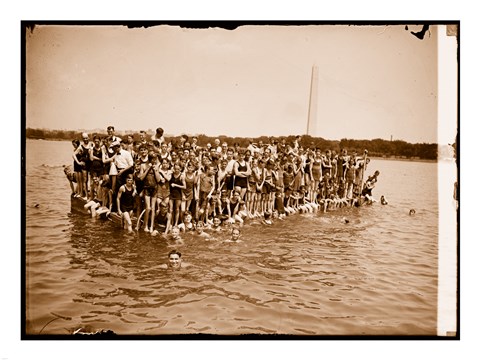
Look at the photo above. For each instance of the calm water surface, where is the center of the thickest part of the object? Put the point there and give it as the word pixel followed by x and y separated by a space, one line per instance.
pixel 310 274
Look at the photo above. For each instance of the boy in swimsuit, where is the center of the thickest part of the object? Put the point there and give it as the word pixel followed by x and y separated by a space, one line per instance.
pixel 68 171
pixel 125 202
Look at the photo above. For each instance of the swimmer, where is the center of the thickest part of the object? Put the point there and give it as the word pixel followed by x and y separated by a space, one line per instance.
pixel 235 235
pixel 199 230
pixel 175 236
pixel 412 212
pixel 174 261
pixel 383 200
pixel 346 221
pixel 216 224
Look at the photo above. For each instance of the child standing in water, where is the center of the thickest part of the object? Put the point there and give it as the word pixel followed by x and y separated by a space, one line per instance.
pixel 125 202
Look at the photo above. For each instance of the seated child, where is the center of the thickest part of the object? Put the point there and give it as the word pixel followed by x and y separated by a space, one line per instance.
pixel 99 198
pixel 242 213
pixel 187 224
pixel 267 220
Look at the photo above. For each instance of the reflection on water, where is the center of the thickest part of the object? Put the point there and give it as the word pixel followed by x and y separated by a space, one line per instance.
pixel 310 274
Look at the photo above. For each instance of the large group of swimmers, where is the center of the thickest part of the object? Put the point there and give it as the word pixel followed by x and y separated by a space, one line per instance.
pixel 178 185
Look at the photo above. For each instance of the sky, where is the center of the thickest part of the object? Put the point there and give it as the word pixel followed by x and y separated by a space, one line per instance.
pixel 373 81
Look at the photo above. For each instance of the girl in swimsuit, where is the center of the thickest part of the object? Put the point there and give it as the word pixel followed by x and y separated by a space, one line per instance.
pixel 190 184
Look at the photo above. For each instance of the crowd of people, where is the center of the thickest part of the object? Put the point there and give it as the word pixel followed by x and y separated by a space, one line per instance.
pixel 178 185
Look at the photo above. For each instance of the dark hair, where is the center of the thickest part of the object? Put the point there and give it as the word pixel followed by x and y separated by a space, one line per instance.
pixel 159 131
pixel 175 252
pixel 110 128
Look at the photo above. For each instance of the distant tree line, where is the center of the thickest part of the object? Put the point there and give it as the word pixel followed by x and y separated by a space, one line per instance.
pixel 375 147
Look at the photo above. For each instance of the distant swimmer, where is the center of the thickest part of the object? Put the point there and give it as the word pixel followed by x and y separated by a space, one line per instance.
pixel 383 200
pixel 412 212
pixel 346 220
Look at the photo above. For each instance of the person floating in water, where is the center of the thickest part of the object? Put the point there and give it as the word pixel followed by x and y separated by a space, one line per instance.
pixel 383 200
pixel 412 212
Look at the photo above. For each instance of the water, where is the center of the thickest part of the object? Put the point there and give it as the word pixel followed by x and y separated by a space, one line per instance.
pixel 311 274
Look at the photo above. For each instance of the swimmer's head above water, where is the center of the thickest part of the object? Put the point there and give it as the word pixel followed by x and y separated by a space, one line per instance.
pixel 174 259
pixel 412 212
pixel 235 234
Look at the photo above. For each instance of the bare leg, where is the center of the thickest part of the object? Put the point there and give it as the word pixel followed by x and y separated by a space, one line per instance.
pixel 177 211
pixel 128 221
pixel 147 212
pixel 152 220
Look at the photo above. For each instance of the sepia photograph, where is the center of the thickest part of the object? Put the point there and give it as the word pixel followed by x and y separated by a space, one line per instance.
pixel 240 180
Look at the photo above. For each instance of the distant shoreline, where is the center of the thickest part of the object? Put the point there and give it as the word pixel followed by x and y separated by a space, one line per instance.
pixel 403 159
pixel 371 157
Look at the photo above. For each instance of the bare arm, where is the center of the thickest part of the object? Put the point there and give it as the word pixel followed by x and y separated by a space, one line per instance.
pixel 75 153
pixel 144 169
pixel 119 196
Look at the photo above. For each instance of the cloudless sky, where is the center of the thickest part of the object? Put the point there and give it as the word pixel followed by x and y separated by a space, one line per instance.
pixel 374 81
